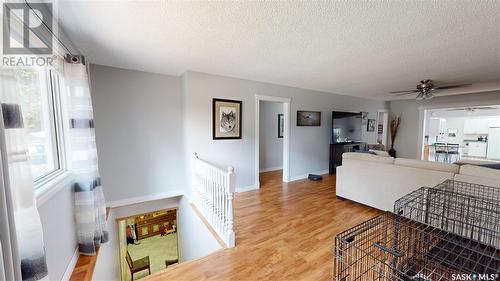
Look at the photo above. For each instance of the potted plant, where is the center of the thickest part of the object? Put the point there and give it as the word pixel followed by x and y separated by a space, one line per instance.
pixel 394 122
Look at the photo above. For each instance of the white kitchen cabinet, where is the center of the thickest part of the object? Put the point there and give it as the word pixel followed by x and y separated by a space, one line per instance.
pixel 476 126
pixel 476 149
pixel 495 122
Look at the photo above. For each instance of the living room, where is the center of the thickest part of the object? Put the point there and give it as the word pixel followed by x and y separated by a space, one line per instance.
pixel 152 106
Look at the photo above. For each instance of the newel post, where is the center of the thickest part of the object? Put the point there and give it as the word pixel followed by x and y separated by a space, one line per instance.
pixel 229 192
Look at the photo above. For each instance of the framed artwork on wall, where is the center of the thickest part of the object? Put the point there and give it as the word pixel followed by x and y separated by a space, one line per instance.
pixel 308 118
pixel 281 125
pixel 226 119
pixel 371 125
pixel 364 118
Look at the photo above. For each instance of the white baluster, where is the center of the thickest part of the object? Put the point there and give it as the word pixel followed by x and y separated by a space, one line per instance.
pixel 230 190
pixel 213 191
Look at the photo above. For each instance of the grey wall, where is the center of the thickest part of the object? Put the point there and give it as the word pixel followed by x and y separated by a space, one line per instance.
pixel 270 146
pixel 139 131
pixel 408 139
pixel 148 127
pixel 59 231
pixel 308 145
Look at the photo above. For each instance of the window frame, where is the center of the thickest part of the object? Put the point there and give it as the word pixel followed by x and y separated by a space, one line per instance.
pixel 53 88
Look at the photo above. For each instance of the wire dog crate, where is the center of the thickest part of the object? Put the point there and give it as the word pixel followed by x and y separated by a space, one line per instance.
pixel 465 209
pixel 392 247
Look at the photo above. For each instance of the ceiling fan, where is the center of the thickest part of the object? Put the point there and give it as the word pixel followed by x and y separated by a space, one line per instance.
pixel 427 90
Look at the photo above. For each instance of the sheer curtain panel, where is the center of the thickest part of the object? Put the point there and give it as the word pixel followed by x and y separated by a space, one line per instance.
pixel 89 199
pixel 22 236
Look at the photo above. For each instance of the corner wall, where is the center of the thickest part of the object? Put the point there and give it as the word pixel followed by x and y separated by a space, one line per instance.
pixel 139 132
pixel 309 146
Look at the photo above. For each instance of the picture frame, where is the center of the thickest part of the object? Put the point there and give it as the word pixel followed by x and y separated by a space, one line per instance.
pixel 226 119
pixel 452 133
pixel 370 127
pixel 281 125
pixel 308 118
pixel 364 118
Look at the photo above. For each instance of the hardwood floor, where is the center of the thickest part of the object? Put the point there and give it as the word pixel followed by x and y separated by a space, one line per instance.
pixel 283 232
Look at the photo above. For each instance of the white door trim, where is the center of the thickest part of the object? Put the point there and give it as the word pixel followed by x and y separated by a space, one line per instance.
pixel 286 135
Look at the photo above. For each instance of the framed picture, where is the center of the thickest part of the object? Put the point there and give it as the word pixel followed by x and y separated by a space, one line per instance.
pixel 371 125
pixel 226 119
pixel 364 118
pixel 452 133
pixel 308 118
pixel 281 125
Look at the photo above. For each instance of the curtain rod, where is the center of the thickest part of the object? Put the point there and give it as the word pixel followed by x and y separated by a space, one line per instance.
pixel 44 24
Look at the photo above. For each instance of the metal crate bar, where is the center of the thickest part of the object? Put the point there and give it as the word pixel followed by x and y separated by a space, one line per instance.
pixel 392 247
pixel 475 216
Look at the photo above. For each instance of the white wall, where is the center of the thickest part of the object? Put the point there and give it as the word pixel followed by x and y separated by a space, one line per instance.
pixel 408 139
pixel 270 146
pixel 139 131
pixel 309 146
pixel 59 231
pixel 195 240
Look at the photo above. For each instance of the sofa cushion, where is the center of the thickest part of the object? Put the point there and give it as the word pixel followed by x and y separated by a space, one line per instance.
pixel 367 157
pixel 478 171
pixel 427 165
pixel 380 152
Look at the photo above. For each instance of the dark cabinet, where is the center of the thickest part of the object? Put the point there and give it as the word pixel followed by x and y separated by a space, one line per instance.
pixel 337 149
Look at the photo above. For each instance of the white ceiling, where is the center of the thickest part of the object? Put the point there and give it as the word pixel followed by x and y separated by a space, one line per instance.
pixel 355 48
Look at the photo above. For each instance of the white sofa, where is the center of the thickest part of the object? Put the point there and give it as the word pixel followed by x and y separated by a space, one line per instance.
pixel 378 181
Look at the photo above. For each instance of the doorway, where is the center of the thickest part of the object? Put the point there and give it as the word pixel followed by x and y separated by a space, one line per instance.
pixel 467 134
pixel 272 134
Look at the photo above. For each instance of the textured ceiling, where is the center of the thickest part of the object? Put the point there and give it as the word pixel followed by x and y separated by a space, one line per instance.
pixel 357 48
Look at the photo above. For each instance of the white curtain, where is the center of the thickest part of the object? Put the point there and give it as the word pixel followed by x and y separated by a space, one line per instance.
pixel 89 199
pixel 22 236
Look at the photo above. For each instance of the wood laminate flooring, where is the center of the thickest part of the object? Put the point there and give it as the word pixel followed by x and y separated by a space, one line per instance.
pixel 284 231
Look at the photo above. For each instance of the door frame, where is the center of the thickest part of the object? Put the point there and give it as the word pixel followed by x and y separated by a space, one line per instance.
pixel 286 135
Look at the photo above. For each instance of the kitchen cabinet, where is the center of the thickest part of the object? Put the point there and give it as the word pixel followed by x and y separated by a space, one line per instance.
pixel 495 122
pixel 476 126
pixel 475 149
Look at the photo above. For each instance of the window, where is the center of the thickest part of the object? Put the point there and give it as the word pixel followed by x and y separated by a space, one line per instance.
pixel 39 99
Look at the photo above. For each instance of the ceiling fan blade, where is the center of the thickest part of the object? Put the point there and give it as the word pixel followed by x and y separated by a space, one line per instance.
pixel 451 87
pixel 486 107
pixel 407 91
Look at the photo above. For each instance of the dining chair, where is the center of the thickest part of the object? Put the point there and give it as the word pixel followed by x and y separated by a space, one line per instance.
pixel 441 149
pixel 453 151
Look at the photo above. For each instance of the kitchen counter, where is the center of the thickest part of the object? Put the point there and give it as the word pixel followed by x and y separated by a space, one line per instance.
pixel 475 141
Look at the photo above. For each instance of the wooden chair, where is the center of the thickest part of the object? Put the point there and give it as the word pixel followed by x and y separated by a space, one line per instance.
pixel 137 265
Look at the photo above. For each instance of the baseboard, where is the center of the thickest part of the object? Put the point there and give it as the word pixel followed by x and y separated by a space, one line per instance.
pixel 71 266
pixel 246 188
pixel 304 176
pixel 270 169
pixel 141 199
